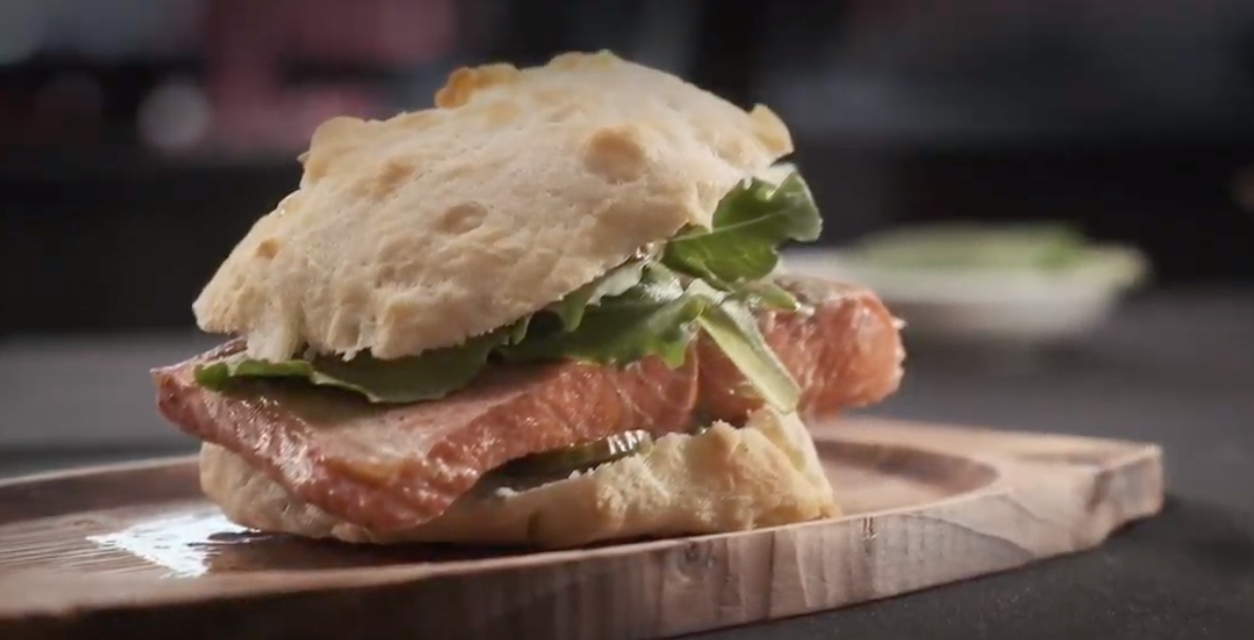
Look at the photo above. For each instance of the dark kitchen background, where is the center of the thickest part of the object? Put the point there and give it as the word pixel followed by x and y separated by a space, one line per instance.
pixel 140 139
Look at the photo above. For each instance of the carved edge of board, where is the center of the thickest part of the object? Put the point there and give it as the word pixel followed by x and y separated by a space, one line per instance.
pixel 1056 495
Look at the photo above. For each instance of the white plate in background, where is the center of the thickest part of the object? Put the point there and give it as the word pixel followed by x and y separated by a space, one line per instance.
pixel 988 306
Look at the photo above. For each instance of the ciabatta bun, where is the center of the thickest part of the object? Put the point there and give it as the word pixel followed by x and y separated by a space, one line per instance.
pixel 521 185
pixel 725 479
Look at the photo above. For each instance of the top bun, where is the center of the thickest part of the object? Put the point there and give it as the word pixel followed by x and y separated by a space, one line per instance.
pixel 520 186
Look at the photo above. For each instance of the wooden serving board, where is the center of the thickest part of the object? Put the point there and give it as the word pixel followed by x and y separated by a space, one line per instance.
pixel 134 551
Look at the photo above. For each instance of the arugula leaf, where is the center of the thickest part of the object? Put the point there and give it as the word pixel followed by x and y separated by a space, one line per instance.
pixel 748 227
pixel 570 309
pixel 652 318
pixel 428 376
pixel 764 293
pixel 661 316
pixel 734 329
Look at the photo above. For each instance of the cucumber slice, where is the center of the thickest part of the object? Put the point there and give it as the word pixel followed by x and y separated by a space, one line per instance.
pixel 577 457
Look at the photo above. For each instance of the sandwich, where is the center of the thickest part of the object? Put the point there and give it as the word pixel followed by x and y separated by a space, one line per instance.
pixel 548 311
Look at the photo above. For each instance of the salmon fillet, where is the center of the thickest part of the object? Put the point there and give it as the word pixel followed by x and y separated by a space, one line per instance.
pixel 846 354
pixel 389 467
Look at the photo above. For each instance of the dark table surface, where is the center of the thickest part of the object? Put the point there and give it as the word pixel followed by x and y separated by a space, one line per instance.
pixel 1175 368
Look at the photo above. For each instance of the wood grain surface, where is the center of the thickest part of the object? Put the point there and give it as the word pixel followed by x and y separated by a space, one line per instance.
pixel 133 550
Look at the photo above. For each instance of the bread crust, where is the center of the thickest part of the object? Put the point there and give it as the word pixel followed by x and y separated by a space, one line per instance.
pixel 767 473
pixel 518 187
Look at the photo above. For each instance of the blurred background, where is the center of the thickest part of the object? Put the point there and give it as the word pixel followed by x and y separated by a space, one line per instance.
pixel 140 139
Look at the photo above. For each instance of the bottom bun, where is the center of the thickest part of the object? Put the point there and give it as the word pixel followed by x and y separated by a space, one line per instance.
pixel 723 479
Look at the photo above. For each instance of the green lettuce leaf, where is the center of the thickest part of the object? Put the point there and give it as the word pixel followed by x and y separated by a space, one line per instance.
pixel 660 316
pixel 655 317
pixel 428 376
pixel 748 227
pixel 734 329
pixel 764 293
pixel 616 282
